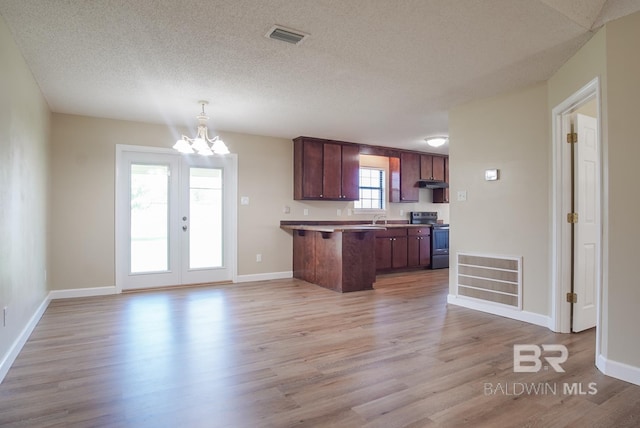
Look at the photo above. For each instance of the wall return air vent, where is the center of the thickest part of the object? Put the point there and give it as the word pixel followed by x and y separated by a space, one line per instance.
pixel 284 34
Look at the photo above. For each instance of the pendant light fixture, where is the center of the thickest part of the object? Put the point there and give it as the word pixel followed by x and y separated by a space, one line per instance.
pixel 202 144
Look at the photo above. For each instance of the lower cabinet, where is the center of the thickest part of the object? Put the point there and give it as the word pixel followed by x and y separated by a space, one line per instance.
pixel 402 248
pixel 419 247
pixel 391 249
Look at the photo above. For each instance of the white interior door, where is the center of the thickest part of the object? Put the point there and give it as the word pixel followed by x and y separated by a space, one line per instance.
pixel 175 219
pixel 587 230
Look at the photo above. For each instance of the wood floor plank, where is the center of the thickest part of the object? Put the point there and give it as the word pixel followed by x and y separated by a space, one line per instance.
pixel 287 353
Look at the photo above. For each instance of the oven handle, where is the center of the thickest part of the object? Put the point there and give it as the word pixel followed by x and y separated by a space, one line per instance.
pixel 441 228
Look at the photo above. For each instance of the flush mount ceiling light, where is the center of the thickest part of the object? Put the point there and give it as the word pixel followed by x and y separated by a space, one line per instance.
pixel 202 144
pixel 436 141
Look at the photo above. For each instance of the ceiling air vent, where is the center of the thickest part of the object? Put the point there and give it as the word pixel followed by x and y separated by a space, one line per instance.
pixel 288 35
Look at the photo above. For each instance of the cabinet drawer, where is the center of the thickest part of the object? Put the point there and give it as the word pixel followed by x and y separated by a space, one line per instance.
pixel 419 231
pixel 391 233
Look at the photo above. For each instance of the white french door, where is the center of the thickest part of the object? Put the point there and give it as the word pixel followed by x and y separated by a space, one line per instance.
pixel 175 220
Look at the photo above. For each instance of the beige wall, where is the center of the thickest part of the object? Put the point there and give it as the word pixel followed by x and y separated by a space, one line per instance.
pixel 24 134
pixel 510 216
pixel 82 212
pixel 623 153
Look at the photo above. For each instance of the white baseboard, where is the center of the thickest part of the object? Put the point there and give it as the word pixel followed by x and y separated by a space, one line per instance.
pixel 503 311
pixel 264 276
pixel 618 370
pixel 82 292
pixel 16 347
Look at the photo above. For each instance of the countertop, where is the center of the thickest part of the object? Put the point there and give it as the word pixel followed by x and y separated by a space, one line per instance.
pixel 351 227
pixel 334 227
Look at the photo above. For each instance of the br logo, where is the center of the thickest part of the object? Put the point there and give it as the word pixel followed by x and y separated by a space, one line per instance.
pixel 527 358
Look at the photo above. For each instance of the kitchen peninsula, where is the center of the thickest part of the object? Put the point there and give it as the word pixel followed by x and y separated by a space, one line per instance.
pixel 337 257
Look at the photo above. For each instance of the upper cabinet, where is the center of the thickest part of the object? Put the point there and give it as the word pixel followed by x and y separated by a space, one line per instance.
pixel 404 174
pixel 325 170
pixel 432 167
pixel 442 195
pixel 330 170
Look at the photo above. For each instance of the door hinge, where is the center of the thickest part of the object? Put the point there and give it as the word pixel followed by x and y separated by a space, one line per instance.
pixel 572 298
pixel 572 137
pixel 572 218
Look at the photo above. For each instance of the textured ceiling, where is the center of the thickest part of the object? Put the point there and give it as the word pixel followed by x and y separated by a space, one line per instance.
pixel 381 72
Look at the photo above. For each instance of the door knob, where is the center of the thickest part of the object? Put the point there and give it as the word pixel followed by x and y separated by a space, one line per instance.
pixel 184 227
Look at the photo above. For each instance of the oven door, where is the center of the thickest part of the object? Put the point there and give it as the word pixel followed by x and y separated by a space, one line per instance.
pixel 440 240
pixel 439 247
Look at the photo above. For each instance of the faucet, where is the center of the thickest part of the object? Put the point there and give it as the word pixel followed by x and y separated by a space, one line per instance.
pixel 379 217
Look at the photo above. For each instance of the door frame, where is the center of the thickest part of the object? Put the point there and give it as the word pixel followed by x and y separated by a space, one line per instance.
pixel 560 240
pixel 121 241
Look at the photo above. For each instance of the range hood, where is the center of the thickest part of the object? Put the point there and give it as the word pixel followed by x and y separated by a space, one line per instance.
pixel 432 184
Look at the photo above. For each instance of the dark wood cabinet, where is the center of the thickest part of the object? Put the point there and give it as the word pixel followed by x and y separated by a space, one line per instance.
pixel 350 172
pixel 404 173
pixel 325 170
pixel 391 249
pixel 402 248
pixel 441 196
pixel 419 247
pixel 432 167
pixel 340 261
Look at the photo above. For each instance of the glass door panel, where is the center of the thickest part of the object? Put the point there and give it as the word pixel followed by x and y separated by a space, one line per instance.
pixel 205 213
pixel 149 228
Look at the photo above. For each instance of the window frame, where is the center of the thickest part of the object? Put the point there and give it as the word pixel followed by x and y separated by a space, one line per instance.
pixel 382 189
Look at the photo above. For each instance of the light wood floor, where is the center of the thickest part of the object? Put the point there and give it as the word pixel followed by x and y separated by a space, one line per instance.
pixel 287 353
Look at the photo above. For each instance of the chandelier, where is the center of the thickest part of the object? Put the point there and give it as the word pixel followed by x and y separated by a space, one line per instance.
pixel 202 144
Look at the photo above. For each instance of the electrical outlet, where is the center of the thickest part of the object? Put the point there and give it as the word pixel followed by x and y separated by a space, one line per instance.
pixel 244 200
pixel 338 212
pixel 401 212
pixel 258 258
pixel 305 211
pixel 286 209
pixel 462 195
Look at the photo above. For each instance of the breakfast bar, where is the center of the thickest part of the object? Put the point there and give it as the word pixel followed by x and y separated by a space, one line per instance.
pixel 337 257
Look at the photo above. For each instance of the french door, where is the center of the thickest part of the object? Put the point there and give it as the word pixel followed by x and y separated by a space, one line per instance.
pixel 175 220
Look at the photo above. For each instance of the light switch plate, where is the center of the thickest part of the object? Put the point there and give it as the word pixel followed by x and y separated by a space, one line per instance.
pixel 491 174
pixel 244 200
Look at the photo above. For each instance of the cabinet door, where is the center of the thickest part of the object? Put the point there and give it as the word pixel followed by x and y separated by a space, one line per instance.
pixel 409 176
pixel 442 195
pixel 425 250
pixel 332 171
pixel 419 247
pixel 394 179
pixel 438 168
pixel 383 253
pixel 413 251
pixel 426 167
pixel 350 172
pixel 311 169
pixel 399 250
